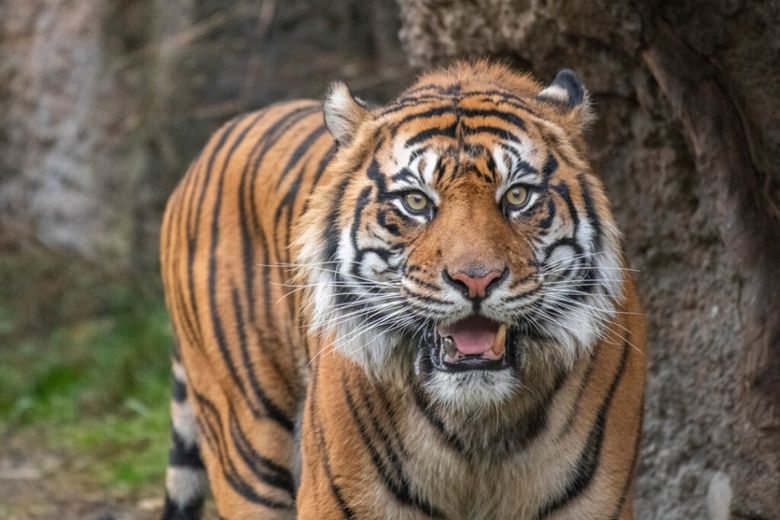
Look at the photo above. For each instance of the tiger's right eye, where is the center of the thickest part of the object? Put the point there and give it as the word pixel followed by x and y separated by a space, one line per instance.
pixel 517 196
pixel 416 201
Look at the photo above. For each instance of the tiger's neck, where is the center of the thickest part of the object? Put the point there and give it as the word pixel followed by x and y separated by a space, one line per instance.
pixel 541 446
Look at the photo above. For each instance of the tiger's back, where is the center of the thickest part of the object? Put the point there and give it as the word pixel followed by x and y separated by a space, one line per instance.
pixel 226 268
pixel 245 279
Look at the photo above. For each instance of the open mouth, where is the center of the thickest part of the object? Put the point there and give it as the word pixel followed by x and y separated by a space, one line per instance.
pixel 473 343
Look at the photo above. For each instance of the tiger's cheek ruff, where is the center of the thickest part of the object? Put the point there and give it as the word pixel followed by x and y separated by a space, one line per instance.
pixel 355 298
pixel 582 264
pixel 577 247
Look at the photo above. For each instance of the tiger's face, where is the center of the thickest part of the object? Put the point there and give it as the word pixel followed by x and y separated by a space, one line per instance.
pixel 464 236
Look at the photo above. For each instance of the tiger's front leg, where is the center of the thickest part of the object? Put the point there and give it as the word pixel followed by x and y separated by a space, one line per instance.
pixel 354 458
pixel 326 467
pixel 347 471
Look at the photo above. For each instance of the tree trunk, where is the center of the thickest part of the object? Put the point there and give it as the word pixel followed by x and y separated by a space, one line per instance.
pixel 688 145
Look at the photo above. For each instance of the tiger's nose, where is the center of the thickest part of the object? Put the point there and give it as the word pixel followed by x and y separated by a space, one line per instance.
pixel 474 283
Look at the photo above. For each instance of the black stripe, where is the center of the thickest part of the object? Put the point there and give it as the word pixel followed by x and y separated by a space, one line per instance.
pixel 273 410
pixel 408 99
pixel 505 97
pixel 388 436
pixel 302 148
pixel 397 483
pixel 263 468
pixel 524 295
pixel 447 131
pixel 193 234
pixel 394 482
pixel 374 172
pixel 176 351
pixel 451 439
pixel 405 102
pixel 550 167
pixel 245 193
pixel 548 220
pixel 344 508
pixel 191 511
pixel 263 144
pixel 422 88
pixel 362 201
pixel 563 191
pixel 390 413
pixel 248 264
pixel 289 199
pixel 179 390
pixel 219 333
pixel 588 461
pixel 431 112
pixel 391 227
pixel 424 310
pixel 182 454
pixel 324 162
pixel 247 249
pixel 630 476
pixel 428 299
pixel 404 174
pixel 519 435
pixel 178 306
pixel 507 117
pixel 575 411
pixel 229 470
pixel 590 211
pixel 562 242
pixel 332 229
pixel 423 283
pixel 501 133
pixel 247 189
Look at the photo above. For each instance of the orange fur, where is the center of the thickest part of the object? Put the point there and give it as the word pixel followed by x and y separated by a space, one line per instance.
pixel 267 199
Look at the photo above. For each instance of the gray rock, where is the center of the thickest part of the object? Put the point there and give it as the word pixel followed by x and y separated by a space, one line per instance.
pixel 707 262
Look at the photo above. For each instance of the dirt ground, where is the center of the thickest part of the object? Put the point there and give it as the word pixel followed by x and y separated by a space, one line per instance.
pixel 39 484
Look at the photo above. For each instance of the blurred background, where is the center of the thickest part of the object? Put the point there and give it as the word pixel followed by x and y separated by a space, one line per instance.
pixel 103 103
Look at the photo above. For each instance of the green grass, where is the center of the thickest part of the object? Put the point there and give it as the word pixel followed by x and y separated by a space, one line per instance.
pixel 99 389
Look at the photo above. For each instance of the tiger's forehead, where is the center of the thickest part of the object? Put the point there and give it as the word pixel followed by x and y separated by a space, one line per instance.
pixel 503 155
pixel 492 134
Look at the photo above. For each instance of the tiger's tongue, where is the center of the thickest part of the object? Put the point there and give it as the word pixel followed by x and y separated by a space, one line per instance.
pixel 472 335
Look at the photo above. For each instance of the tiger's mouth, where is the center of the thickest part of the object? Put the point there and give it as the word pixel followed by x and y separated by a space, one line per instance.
pixel 473 343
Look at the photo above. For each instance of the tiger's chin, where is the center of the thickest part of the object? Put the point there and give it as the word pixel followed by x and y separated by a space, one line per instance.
pixel 458 373
pixel 471 391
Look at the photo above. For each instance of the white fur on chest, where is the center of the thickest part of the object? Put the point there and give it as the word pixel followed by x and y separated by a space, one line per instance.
pixel 469 489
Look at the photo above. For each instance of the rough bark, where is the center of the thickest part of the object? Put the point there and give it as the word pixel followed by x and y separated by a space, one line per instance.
pixel 104 103
pixel 688 145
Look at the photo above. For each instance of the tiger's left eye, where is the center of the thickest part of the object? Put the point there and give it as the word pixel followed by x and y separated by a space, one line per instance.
pixel 517 196
pixel 416 201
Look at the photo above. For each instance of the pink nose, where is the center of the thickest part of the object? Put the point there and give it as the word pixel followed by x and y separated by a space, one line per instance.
pixel 476 285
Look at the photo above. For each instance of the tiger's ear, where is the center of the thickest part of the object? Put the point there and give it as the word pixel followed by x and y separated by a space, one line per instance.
pixel 566 90
pixel 343 112
pixel 569 94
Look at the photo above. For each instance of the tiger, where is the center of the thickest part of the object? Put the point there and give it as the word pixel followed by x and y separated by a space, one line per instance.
pixel 416 310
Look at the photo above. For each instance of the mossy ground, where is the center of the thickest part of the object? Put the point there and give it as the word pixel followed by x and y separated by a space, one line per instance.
pixel 89 399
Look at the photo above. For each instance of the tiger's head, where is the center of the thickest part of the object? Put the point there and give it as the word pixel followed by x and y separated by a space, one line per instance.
pixel 463 237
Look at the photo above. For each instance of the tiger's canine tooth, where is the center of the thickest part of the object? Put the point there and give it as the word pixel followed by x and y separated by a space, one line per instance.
pixel 449 347
pixel 499 343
